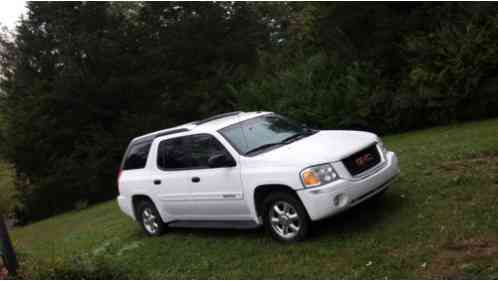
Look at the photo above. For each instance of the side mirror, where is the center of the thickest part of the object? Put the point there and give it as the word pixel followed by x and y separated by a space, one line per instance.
pixel 220 160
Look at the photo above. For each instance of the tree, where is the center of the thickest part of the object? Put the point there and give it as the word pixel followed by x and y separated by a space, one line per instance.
pixel 82 78
pixel 90 76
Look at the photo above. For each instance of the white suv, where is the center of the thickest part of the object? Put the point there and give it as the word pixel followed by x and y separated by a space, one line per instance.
pixel 246 169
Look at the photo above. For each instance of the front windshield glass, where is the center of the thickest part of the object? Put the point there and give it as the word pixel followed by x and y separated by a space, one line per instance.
pixel 262 133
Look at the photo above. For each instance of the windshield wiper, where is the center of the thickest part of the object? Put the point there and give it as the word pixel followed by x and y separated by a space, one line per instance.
pixel 283 142
pixel 294 137
pixel 263 147
pixel 297 136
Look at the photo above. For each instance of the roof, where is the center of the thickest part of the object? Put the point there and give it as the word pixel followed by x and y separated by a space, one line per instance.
pixel 210 124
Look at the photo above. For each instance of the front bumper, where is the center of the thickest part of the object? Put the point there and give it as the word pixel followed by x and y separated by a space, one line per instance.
pixel 330 199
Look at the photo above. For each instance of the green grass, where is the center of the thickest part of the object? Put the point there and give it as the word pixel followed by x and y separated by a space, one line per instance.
pixel 438 220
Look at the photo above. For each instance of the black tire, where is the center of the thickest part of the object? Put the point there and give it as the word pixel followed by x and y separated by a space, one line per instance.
pixel 276 229
pixel 151 224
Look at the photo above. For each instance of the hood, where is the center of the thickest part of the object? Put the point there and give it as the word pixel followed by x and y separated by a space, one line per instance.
pixel 324 146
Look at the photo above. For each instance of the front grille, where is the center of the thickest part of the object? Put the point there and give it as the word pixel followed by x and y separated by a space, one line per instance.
pixel 362 160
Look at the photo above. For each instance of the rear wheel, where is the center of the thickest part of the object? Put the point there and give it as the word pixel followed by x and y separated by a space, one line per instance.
pixel 285 217
pixel 149 219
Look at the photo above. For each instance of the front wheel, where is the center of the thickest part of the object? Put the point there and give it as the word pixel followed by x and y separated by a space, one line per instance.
pixel 285 217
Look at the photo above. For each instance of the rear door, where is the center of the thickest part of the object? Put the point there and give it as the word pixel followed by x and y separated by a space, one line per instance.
pixel 172 177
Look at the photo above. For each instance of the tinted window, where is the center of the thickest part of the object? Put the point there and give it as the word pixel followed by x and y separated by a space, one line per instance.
pixel 190 152
pixel 203 147
pixel 174 154
pixel 136 156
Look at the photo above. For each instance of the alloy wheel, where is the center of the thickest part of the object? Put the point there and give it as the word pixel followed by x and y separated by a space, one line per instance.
pixel 149 220
pixel 285 220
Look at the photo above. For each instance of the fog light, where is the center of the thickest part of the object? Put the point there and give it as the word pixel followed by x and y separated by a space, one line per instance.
pixel 340 200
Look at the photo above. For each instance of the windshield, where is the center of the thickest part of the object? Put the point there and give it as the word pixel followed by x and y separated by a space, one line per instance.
pixel 263 133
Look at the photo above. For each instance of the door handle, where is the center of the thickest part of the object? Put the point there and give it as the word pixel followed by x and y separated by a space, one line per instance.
pixel 196 179
pixel 157 182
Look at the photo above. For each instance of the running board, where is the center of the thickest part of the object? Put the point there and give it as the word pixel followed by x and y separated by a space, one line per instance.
pixel 215 224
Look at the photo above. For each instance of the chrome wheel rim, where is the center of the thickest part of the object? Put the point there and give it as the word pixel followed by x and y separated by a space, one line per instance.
pixel 284 219
pixel 150 221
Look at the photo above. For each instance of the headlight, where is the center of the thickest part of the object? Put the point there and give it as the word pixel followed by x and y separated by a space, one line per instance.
pixel 382 147
pixel 318 175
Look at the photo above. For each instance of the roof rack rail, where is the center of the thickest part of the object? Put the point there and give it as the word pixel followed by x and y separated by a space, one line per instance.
pixel 215 117
pixel 175 131
pixel 150 138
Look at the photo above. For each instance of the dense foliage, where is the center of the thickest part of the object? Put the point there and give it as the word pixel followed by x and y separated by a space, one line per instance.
pixel 81 79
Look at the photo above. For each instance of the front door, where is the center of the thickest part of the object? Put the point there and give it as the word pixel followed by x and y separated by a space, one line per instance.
pixel 217 193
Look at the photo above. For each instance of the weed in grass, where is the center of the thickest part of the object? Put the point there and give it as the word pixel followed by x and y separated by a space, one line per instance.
pixel 76 267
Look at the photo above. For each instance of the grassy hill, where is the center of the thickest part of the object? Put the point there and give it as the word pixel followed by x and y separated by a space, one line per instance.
pixel 439 220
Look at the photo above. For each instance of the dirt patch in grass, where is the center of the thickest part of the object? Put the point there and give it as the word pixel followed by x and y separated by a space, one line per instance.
pixel 473 247
pixel 477 256
pixel 478 168
pixel 472 162
pixel 477 171
pixel 462 259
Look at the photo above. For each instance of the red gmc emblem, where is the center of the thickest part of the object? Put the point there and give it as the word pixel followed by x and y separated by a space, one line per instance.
pixel 363 160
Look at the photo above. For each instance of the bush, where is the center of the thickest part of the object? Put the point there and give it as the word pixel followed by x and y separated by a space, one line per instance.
pixel 7 189
pixel 317 92
pixel 452 73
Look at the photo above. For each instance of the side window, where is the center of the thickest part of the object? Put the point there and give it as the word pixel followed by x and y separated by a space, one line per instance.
pixel 190 152
pixel 174 154
pixel 136 157
pixel 203 147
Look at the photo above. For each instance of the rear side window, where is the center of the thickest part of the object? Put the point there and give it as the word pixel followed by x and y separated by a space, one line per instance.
pixel 136 156
pixel 174 153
